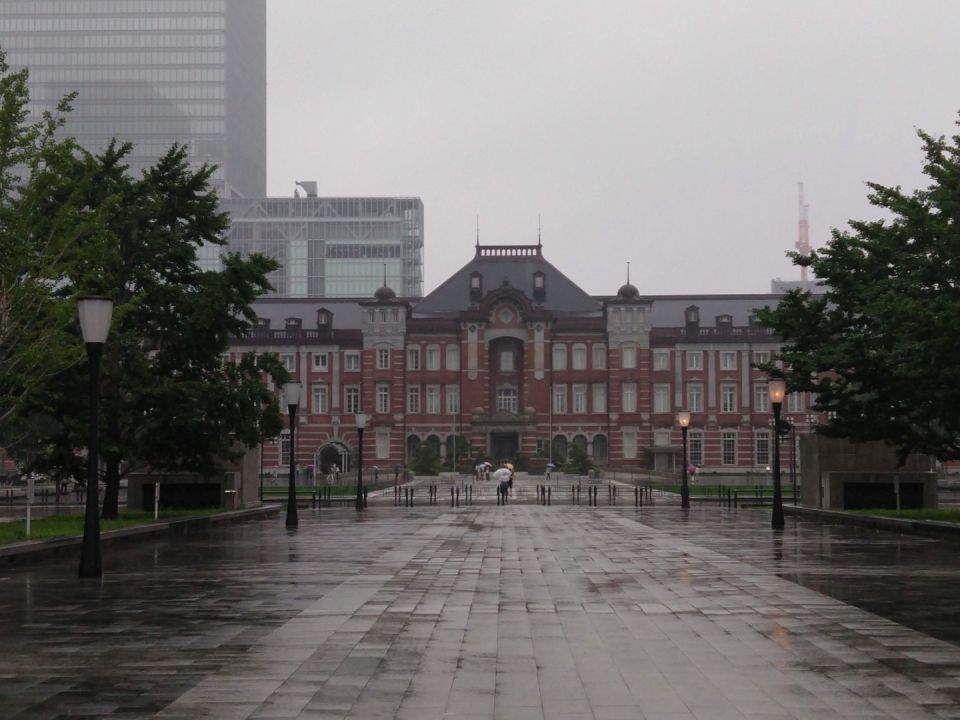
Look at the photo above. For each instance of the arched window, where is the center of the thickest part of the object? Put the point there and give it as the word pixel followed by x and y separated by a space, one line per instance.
pixel 559 449
pixel 413 443
pixel 600 448
pixel 580 441
pixel 434 442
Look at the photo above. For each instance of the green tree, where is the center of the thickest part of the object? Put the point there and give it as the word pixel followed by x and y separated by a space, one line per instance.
pixel 426 460
pixel 43 184
pixel 880 348
pixel 578 461
pixel 170 400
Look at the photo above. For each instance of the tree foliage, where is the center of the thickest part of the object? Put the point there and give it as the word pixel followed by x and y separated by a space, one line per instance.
pixel 880 348
pixel 43 181
pixel 170 399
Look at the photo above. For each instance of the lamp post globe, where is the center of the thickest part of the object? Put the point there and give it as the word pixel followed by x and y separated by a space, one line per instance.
pixel 95 316
pixel 361 420
pixel 777 390
pixel 291 398
pixel 683 420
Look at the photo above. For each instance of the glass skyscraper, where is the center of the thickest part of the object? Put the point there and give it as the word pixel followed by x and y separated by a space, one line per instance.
pixel 152 72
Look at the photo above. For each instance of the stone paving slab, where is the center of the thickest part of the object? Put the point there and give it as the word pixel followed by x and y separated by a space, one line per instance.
pixel 485 612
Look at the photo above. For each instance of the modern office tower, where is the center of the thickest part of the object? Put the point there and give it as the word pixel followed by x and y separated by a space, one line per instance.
pixel 152 72
pixel 330 247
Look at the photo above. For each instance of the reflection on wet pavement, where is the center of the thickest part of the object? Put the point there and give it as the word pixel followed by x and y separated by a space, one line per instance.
pixel 486 612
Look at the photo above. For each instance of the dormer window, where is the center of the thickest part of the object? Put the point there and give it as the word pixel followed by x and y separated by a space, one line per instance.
pixel 476 286
pixel 263 323
pixel 539 284
pixel 724 323
pixel 692 315
pixel 292 324
pixel 324 318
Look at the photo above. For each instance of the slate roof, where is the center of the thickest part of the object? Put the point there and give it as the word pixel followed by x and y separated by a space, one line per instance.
pixel 513 265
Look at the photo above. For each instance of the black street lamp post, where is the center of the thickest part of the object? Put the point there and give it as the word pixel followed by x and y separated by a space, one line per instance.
pixel 777 390
pixel 683 420
pixel 291 396
pixel 95 316
pixel 361 419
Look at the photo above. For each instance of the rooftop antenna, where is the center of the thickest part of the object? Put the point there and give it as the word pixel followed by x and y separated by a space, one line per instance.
pixel 628 272
pixel 539 241
pixel 384 274
pixel 803 238
pixel 478 230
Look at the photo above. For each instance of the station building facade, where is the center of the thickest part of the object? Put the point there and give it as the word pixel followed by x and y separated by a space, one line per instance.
pixel 515 358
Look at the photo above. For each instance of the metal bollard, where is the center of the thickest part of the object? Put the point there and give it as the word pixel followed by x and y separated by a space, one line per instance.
pixel 365 491
pixel 458 497
pixel 548 494
pixel 313 499
pixel 451 497
pixel 578 494
pixel 636 496
pixel 614 494
pixel 596 491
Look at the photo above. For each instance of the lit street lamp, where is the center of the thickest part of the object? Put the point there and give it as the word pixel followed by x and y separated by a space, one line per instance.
pixel 361 419
pixel 291 396
pixel 95 316
pixel 683 420
pixel 777 390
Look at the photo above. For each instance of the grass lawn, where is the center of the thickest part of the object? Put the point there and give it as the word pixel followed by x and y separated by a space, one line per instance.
pixel 940 514
pixel 72 525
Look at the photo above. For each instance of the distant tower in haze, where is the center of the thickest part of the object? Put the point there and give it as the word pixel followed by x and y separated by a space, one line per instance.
pixel 803 238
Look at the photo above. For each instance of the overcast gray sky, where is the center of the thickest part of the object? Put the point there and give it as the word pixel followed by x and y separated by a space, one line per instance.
pixel 669 134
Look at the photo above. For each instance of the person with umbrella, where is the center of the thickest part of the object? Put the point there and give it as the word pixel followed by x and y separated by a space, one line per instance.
pixel 503 478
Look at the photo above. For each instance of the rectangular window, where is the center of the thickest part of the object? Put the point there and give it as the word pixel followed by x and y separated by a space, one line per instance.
pixel 413 399
pixel 383 443
pixel 453 357
pixel 629 444
pixel 579 357
pixel 433 399
pixel 728 398
pixel 761 356
pixel 320 402
pixel 433 358
pixel 580 397
pixel 728 448
pixel 507 399
pixel 662 438
pixel 761 398
pixel 559 399
pixel 695 397
pixel 661 359
pixel 599 398
pixel 383 398
pixel 629 397
pixel 763 448
pixel 695 447
pixel 599 357
pixel 559 357
pixel 453 399
pixel 694 360
pixel 289 362
pixel 661 398
pixel 285 448
pixel 728 360
pixel 351 361
pixel 413 358
pixel 321 362
pixel 628 355
pixel 383 359
pixel 795 402
pixel 506 361
pixel 351 399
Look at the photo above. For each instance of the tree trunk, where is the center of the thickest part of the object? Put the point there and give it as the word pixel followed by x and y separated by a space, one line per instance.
pixel 111 494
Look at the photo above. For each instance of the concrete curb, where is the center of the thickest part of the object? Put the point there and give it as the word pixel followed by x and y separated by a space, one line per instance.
pixel 927 528
pixel 40 549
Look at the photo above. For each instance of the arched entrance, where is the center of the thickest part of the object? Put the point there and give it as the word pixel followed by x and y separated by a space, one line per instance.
pixel 333 453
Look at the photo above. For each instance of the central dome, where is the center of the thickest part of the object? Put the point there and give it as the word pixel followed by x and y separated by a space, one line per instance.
pixel 385 293
pixel 628 292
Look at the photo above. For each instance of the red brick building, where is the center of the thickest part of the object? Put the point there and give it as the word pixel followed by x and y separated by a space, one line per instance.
pixel 511 355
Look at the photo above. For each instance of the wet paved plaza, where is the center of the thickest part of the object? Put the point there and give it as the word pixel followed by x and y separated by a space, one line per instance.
pixel 516 612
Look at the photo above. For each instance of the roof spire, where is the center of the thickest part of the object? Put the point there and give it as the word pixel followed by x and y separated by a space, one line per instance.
pixel 539 241
pixel 628 272
pixel 384 274
pixel 478 229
